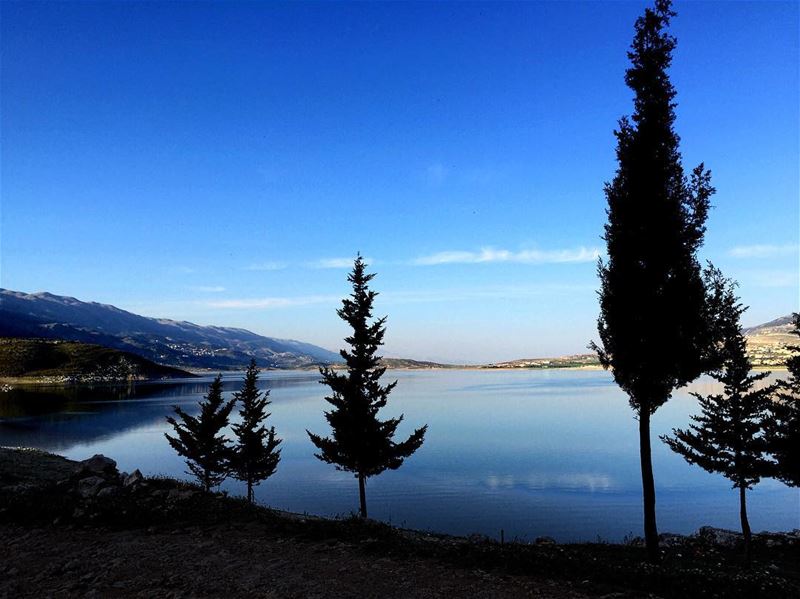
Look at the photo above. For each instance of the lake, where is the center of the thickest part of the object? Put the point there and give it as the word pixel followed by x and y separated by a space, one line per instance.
pixel 535 453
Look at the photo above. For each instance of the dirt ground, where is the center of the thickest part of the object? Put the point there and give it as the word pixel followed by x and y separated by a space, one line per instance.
pixel 228 561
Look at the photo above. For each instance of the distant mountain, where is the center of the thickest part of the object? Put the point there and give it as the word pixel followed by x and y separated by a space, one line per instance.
pixel 767 343
pixel 574 361
pixel 780 325
pixel 49 360
pixel 163 341
pixel 406 364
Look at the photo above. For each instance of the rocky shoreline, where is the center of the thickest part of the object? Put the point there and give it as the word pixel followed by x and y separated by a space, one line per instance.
pixel 84 529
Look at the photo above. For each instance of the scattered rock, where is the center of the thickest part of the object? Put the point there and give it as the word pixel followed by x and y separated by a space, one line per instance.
pixel 719 536
pixel 669 539
pixel 99 464
pixel 111 491
pixel 90 486
pixel 133 478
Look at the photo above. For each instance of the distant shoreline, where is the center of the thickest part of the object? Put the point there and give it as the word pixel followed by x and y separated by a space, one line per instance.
pixel 44 382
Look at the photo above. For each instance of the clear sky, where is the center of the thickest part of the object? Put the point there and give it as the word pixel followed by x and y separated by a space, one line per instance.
pixel 223 162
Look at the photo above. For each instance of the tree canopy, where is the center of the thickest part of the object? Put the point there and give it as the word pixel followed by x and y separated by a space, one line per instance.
pixel 784 430
pixel 656 323
pixel 360 441
pixel 199 439
pixel 255 455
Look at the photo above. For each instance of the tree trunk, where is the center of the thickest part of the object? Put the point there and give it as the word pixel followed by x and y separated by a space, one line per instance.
pixel 648 486
pixel 745 523
pixel 250 490
pixel 362 495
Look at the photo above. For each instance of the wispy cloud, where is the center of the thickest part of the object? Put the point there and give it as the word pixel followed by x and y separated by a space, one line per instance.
pixel 764 250
pixel 406 296
pixel 482 293
pixel 488 255
pixel 272 302
pixel 266 266
pixel 208 288
pixel 335 263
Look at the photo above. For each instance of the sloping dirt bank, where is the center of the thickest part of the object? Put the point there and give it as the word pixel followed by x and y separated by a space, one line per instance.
pixel 83 529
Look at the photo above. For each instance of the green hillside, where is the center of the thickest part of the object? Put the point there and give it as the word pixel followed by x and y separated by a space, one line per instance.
pixel 69 361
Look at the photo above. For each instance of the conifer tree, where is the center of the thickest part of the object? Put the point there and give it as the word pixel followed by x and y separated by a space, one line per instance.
pixel 654 322
pixel 361 442
pixel 255 455
pixel 199 439
pixel 784 429
pixel 729 435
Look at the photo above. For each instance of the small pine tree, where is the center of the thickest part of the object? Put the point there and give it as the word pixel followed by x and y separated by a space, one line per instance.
pixel 199 439
pixel 728 436
pixel 784 429
pixel 255 455
pixel 362 443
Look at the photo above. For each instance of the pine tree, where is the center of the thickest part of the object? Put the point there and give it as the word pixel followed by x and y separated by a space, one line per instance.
pixel 362 443
pixel 784 429
pixel 199 439
pixel 654 321
pixel 255 455
pixel 729 436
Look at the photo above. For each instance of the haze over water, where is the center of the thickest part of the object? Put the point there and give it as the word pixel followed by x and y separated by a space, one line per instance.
pixel 534 453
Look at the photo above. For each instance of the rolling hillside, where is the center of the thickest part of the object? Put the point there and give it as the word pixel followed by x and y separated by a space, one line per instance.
pixel 177 343
pixel 71 361
pixel 767 345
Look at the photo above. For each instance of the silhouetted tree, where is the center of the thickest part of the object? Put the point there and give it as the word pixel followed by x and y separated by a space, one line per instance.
pixel 255 455
pixel 654 311
pixel 729 436
pixel 784 429
pixel 199 439
pixel 362 443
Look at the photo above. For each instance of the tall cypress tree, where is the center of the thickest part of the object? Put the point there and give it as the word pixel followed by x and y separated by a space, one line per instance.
pixel 654 311
pixel 255 455
pixel 199 439
pixel 784 430
pixel 729 435
pixel 361 442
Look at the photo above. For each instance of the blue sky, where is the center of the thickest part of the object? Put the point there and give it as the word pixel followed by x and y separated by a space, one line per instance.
pixel 223 162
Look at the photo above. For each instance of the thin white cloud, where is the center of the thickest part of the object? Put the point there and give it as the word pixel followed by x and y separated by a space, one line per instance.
pixel 489 255
pixel 405 297
pixel 764 250
pixel 272 302
pixel 261 266
pixel 208 288
pixel 335 263
pixel 482 293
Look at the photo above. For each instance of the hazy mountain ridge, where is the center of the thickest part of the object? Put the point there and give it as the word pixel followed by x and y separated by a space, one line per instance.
pixel 767 346
pixel 164 341
pixel 573 361
pixel 55 361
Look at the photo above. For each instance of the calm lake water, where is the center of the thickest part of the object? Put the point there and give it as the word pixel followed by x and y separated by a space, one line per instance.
pixel 532 452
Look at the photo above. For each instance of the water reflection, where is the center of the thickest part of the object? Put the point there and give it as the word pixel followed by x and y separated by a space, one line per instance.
pixel 535 453
pixel 535 481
